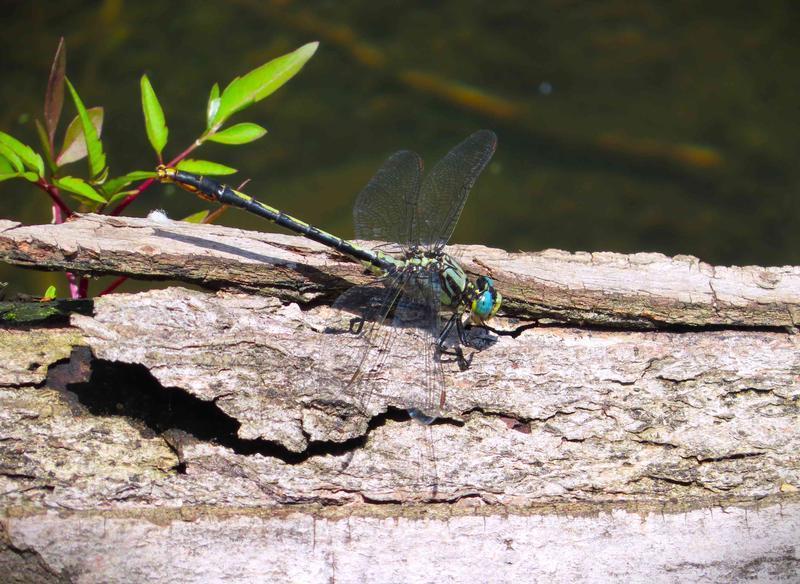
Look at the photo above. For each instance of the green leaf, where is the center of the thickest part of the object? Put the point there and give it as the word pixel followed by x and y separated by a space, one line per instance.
pixel 78 186
pixel 119 196
pixel 120 182
pixel 238 134
pixel 261 82
pixel 25 153
pixel 154 122
pixel 198 217
pixel 54 95
pixel 31 176
pixel 11 157
pixel 101 178
pixel 6 176
pixel 94 147
pixel 204 167
pixel 45 142
pixel 74 147
pixel 213 105
pixel 5 166
pixel 50 293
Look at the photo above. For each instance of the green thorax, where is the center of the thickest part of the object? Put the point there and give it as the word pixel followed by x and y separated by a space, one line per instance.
pixel 451 282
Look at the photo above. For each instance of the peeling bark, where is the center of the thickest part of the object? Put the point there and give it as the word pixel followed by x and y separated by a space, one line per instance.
pixel 182 435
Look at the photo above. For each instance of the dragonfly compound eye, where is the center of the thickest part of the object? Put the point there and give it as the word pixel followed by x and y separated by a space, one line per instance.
pixel 487 302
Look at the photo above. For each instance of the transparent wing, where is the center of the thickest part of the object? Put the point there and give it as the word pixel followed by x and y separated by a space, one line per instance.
pixel 417 316
pixel 359 339
pixel 399 318
pixel 446 188
pixel 384 208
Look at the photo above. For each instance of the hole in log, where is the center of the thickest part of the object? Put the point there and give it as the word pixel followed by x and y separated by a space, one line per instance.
pixel 110 388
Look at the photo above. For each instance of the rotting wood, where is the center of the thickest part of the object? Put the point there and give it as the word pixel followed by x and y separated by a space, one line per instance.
pixel 196 422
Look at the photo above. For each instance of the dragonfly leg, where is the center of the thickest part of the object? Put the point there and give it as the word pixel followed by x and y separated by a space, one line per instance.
pixel 446 331
pixel 455 320
pixel 357 324
pixel 463 362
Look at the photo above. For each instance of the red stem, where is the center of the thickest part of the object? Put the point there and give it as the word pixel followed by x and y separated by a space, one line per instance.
pixel 131 198
pixel 61 212
pixel 113 286
pixel 73 286
pixel 52 191
pixel 80 288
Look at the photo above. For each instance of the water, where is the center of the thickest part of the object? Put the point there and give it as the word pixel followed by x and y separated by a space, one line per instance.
pixel 626 127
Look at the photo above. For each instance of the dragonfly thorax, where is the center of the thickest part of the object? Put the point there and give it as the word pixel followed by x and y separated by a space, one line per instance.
pixel 454 287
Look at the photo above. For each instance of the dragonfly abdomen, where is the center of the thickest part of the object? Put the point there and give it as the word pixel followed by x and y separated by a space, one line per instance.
pixel 212 190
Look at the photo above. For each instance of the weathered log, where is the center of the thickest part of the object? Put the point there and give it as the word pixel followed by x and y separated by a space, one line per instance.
pixel 644 290
pixel 182 435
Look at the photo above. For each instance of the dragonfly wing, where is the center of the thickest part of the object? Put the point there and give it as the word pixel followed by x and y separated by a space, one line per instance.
pixel 446 187
pixel 417 316
pixel 384 208
pixel 360 340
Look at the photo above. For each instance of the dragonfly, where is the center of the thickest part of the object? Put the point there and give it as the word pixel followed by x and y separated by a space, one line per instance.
pixel 417 284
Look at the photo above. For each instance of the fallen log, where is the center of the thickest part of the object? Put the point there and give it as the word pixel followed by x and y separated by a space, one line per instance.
pixel 190 435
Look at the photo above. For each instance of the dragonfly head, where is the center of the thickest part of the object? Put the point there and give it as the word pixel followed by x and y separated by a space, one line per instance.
pixel 487 300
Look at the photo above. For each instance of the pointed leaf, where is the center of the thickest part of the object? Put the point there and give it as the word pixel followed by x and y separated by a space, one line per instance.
pixel 74 147
pixel 31 176
pixel 154 122
pixel 79 187
pixel 238 134
pixel 6 176
pixel 29 158
pixel 213 105
pixel 45 142
pixel 261 82
pixel 50 293
pixel 204 167
pixel 94 147
pixel 54 96
pixel 198 217
pixel 120 182
pixel 100 178
pixel 9 155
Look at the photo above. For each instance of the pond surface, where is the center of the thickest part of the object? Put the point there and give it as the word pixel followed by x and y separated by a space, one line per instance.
pixel 647 126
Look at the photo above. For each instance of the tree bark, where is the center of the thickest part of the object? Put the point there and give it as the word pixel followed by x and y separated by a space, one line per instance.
pixel 180 435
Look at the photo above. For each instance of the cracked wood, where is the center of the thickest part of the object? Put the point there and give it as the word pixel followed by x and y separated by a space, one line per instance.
pixel 211 435
pixel 552 416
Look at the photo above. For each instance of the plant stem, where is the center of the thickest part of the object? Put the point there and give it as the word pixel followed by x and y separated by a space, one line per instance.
pixel 146 184
pixel 52 191
pixel 113 286
pixel 73 285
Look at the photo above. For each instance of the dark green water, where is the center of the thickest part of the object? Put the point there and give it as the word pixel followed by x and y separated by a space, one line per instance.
pixel 647 126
